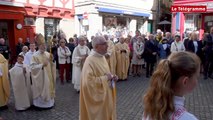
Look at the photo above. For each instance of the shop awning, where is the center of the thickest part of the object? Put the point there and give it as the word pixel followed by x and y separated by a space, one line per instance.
pixel 118 11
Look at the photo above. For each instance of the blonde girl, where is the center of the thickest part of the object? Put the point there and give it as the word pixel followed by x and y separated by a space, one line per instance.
pixel 174 77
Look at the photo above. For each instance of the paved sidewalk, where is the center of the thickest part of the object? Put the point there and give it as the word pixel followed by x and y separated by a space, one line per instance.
pixel 129 102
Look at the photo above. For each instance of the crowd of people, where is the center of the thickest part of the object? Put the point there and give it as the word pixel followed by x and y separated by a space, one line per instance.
pixel 95 67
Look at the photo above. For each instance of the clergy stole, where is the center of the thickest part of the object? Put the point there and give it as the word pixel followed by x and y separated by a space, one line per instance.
pixel 122 60
pixel 112 59
pixel 43 78
pixel 20 80
pixel 4 82
pixel 97 101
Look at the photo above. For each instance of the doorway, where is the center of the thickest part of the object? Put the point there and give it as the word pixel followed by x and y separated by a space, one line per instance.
pixel 4 31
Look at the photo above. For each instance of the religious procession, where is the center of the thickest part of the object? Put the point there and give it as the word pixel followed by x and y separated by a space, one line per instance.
pixel 106 60
pixel 95 67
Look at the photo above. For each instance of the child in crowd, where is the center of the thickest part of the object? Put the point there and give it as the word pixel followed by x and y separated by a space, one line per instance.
pixel 174 77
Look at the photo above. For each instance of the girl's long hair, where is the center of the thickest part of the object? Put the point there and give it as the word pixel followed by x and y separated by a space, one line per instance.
pixel 158 100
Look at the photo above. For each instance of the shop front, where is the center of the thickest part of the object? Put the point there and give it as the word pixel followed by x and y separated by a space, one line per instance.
pixel 11 24
pixel 188 22
pixel 112 19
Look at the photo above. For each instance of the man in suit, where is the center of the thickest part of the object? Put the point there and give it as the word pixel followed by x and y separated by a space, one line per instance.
pixel 208 51
pixel 151 49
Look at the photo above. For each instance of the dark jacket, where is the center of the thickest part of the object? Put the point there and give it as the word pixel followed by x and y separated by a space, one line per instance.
pixel 186 42
pixel 164 53
pixel 150 47
pixel 19 47
pixel 5 51
pixel 208 45
pixel 191 48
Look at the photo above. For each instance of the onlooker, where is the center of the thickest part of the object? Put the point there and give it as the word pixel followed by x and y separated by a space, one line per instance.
pixel 195 45
pixel 54 49
pixel 64 61
pixel 177 45
pixel 138 49
pixel 164 49
pixel 159 37
pixel 19 46
pixel 208 67
pixel 89 44
pixel 169 38
pixel 4 49
pixel 27 43
pixel 71 46
pixel 186 40
pixel 174 77
pixel 134 39
pixel 150 54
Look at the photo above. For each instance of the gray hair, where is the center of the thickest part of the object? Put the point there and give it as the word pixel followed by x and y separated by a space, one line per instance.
pixel 151 36
pixel 97 40
pixel 81 38
pixel 24 47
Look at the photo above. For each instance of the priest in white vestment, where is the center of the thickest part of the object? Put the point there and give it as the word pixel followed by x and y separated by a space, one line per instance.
pixel 80 53
pixel 20 79
pixel 43 73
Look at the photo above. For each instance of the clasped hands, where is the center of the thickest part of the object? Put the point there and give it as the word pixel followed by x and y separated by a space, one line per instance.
pixel 123 51
pixel 45 63
pixel 112 77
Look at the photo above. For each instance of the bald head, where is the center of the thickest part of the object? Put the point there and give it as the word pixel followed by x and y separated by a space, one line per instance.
pixel 99 44
pixel 151 37
pixel 98 40
pixel 20 40
pixel 2 41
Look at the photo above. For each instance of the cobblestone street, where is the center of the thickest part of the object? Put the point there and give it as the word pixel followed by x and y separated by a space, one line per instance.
pixel 129 102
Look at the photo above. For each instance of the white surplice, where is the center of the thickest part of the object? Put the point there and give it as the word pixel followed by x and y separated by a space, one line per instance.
pixel 28 57
pixel 20 83
pixel 78 52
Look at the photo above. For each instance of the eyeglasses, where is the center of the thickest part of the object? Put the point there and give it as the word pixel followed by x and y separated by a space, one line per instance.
pixel 62 42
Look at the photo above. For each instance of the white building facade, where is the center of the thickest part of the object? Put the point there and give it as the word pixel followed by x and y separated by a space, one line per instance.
pixel 114 17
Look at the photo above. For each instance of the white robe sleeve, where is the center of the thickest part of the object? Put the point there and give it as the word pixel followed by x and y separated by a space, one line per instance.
pixel 27 59
pixel 1 72
pixel 76 59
